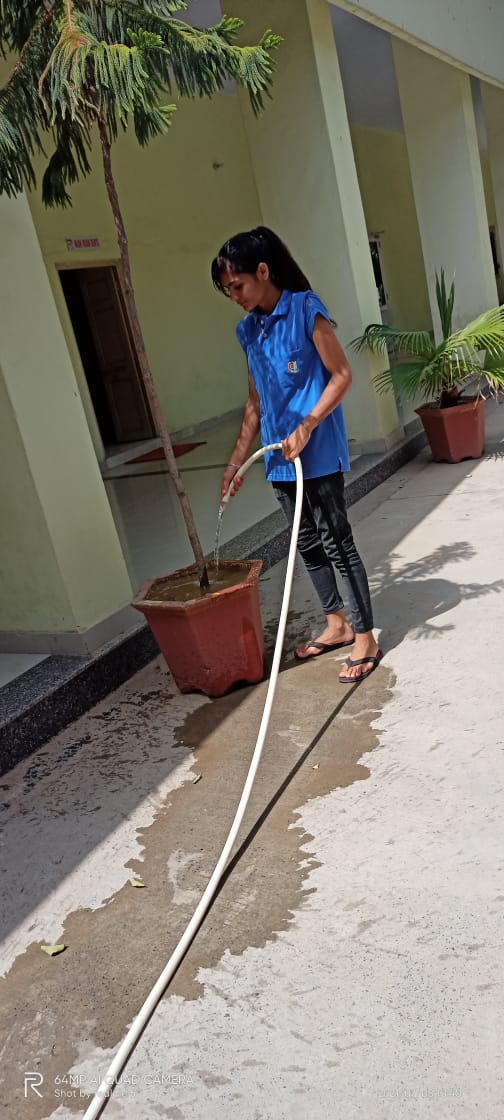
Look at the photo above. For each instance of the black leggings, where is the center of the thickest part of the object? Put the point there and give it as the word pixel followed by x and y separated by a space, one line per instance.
pixel 325 541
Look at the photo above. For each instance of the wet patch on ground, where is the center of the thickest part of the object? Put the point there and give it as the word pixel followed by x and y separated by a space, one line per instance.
pixel 56 1010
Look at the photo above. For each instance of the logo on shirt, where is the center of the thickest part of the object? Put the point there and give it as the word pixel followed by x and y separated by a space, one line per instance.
pixel 292 367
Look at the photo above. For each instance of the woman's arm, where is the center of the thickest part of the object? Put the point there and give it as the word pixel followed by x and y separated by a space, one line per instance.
pixel 333 359
pixel 248 432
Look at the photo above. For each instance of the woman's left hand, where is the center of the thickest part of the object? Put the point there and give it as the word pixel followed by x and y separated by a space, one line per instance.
pixel 294 444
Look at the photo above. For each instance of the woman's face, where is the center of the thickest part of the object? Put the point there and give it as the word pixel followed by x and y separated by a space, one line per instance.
pixel 247 289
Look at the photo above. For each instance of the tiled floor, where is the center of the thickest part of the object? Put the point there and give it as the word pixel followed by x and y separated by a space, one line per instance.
pixel 147 513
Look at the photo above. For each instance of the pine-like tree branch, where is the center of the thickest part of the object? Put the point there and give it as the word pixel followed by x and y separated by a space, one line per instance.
pixel 22 115
pixel 200 60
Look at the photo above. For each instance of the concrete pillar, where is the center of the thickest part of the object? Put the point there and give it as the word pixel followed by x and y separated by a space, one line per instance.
pixel 64 587
pixel 442 143
pixel 493 106
pixel 309 191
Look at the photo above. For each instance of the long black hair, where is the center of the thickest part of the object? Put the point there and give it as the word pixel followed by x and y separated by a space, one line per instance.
pixel 246 251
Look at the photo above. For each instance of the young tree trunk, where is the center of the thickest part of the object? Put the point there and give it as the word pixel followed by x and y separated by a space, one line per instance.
pixel 143 361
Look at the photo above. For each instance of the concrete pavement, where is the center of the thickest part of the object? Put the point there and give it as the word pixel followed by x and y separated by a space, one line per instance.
pixel 352 963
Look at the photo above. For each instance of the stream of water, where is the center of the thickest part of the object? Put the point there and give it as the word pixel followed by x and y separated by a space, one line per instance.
pixel 217 539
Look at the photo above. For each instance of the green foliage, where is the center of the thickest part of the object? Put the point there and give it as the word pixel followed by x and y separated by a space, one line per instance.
pixel 445 303
pixel 382 339
pixel 79 62
pixel 438 372
pixel 23 118
pixel 16 21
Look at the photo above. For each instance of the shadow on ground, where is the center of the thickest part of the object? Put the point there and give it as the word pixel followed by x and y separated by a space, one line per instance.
pixel 61 803
pixel 407 597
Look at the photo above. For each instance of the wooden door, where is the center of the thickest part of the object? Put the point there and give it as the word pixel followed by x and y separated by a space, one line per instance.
pixel 118 368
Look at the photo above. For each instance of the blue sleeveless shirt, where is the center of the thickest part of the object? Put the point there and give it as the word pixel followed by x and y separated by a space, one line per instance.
pixel 289 377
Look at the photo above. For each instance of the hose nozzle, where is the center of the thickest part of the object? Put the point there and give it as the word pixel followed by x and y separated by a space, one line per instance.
pixel 243 470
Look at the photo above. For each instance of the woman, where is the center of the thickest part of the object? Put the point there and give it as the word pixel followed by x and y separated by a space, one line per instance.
pixel 298 376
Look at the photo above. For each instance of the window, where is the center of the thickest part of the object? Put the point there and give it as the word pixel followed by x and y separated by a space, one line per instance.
pixel 374 246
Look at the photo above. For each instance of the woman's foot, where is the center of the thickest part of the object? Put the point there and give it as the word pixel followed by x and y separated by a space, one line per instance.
pixel 366 652
pixel 338 633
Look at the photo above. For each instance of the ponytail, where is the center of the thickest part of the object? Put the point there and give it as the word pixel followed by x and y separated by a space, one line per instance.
pixel 246 251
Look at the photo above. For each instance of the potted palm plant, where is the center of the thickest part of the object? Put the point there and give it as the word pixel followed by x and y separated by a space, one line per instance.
pixel 81 68
pixel 454 421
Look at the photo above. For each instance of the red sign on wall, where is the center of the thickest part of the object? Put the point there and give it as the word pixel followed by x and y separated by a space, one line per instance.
pixel 82 243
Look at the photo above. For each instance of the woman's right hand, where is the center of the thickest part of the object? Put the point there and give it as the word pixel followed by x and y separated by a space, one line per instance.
pixel 227 479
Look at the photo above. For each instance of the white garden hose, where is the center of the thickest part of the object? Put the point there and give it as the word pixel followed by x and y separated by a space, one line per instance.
pixel 128 1044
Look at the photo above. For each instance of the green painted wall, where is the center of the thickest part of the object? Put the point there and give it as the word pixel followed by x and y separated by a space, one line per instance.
pixel 305 171
pixel 387 197
pixel 488 189
pixel 29 573
pixel 493 170
pixel 63 567
pixel 178 209
pixel 443 149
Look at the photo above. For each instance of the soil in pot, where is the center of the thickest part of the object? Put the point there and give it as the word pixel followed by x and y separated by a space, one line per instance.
pixel 181 587
pixel 212 639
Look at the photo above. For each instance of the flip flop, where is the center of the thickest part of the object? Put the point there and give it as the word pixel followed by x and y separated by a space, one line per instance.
pixel 324 647
pixel 361 661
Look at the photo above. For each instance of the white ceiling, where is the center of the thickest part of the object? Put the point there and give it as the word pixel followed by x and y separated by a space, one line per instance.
pixel 368 75
pixel 367 71
pixel 366 63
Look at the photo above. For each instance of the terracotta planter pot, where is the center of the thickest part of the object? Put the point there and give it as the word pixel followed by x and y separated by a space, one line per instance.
pixel 214 641
pixel 455 433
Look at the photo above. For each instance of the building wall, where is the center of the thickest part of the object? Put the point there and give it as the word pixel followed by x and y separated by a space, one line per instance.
pixel 178 209
pixel 467 32
pixel 487 186
pixel 28 569
pixel 61 566
pixel 387 197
